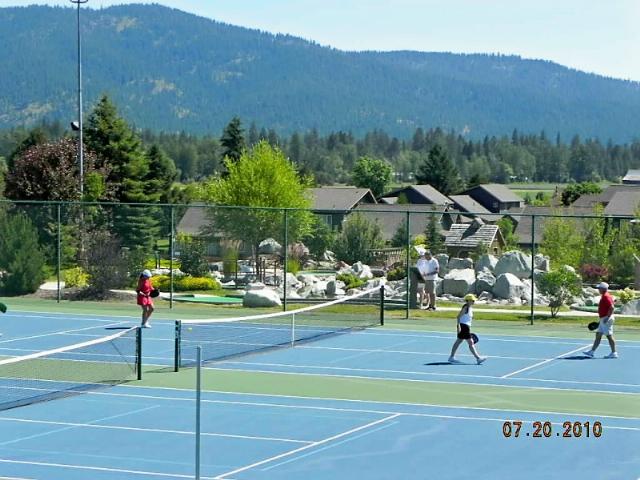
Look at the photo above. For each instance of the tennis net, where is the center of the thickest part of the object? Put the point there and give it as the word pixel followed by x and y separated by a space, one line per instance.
pixel 228 337
pixel 70 370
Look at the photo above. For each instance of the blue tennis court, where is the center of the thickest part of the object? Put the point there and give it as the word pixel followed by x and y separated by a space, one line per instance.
pixel 134 431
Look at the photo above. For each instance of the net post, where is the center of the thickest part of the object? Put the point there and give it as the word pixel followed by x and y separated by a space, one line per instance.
pixel 293 329
pixel 533 253
pixel 381 304
pixel 139 351
pixel 177 353
pixel 198 404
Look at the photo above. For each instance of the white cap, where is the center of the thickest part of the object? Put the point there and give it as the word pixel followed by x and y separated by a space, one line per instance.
pixel 421 251
pixel 602 286
pixel 146 273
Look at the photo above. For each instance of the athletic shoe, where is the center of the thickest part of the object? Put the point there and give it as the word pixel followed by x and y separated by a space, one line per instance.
pixel 588 353
pixel 481 360
pixel 432 308
pixel 612 355
pixel 454 361
pixel 146 325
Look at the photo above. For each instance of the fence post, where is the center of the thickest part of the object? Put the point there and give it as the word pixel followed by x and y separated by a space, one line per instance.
pixel 286 259
pixel 533 254
pixel 171 255
pixel 381 304
pixel 59 251
pixel 407 266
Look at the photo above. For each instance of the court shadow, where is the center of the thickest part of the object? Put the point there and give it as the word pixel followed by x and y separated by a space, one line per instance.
pixel 576 357
pixel 441 363
pixel 117 328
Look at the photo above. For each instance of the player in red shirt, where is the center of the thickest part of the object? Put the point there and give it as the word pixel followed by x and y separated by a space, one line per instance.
pixel 605 312
pixel 145 301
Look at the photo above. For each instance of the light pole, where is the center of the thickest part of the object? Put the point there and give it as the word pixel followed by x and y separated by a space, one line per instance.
pixel 79 124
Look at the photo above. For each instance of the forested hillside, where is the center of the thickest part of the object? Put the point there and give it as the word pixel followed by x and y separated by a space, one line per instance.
pixel 172 71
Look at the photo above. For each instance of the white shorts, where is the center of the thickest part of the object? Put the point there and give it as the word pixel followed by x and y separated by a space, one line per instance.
pixel 606 328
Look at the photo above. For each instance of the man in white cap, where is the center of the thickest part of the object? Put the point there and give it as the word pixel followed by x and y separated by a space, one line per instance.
pixel 605 312
pixel 429 268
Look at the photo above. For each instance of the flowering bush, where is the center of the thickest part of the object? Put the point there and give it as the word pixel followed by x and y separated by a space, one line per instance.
pixel 594 273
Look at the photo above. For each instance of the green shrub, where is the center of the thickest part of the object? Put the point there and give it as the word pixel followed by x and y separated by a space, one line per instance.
pixel 359 236
pixel 230 262
pixel 192 256
pixel 184 283
pixel 559 285
pixel 397 273
pixel 196 283
pixel 75 277
pixel 22 259
pixel 626 295
pixel 293 265
pixel 350 280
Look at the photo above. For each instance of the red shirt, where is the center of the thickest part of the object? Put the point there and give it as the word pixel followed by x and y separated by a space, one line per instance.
pixel 605 305
pixel 144 286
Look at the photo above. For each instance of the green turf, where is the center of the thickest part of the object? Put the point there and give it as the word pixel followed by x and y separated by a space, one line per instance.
pixel 400 391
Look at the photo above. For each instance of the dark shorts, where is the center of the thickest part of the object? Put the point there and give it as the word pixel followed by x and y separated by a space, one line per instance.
pixel 465 332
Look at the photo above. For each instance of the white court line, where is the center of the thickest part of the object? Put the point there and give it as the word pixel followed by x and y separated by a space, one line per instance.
pixel 58 430
pixel 403 352
pixel 306 447
pixel 544 362
pixel 155 430
pixel 60 332
pixel 99 469
pixel 327 447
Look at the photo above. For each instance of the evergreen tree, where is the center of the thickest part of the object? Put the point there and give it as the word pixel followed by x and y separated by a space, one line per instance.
pixel 438 171
pixel 434 239
pixel 119 148
pixel 232 140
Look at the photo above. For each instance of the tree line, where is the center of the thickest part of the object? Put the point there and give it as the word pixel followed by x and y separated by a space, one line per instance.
pixel 332 158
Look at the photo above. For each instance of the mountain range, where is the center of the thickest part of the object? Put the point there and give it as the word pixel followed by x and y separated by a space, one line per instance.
pixel 168 70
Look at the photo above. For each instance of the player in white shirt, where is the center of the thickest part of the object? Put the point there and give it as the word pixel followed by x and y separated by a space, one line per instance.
pixel 465 318
pixel 429 268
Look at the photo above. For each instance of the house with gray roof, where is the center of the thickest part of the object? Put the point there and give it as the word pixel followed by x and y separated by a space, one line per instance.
pixel 416 194
pixel 632 177
pixel 495 197
pixel 525 227
pixel 333 204
pixel 625 203
pixel 472 209
pixel 463 239
pixel 391 218
pixel 603 198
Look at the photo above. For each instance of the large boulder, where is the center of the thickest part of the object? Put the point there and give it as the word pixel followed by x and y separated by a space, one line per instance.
pixel 515 263
pixel 459 263
pixel 631 308
pixel 263 297
pixel 485 281
pixel 542 262
pixel 508 286
pixel 361 270
pixel 486 262
pixel 269 247
pixel 459 282
pixel 443 262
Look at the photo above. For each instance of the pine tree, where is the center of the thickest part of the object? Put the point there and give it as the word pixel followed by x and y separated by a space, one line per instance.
pixel 119 148
pixel 433 236
pixel 438 171
pixel 232 140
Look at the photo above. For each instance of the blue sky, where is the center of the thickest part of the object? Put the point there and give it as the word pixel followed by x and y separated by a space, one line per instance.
pixel 592 35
